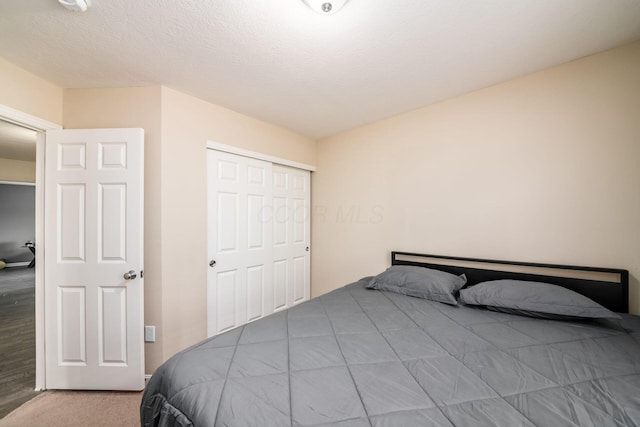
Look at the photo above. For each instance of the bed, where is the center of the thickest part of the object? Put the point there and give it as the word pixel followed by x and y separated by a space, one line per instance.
pixel 369 357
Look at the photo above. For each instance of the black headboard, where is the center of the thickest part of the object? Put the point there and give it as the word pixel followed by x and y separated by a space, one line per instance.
pixel 607 286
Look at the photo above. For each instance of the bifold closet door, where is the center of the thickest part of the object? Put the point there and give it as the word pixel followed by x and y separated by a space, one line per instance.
pixel 240 279
pixel 291 236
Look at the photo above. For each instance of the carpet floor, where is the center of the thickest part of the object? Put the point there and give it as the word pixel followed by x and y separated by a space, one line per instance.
pixel 77 409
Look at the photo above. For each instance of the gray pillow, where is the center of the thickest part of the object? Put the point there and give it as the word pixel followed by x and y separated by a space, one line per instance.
pixel 534 299
pixel 421 282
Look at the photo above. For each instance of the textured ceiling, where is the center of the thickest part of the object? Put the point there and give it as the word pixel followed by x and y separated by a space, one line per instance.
pixel 318 75
pixel 17 143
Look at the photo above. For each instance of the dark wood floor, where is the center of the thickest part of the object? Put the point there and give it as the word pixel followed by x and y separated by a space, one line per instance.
pixel 17 337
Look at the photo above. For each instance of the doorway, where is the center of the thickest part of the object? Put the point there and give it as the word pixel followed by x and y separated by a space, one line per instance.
pixel 17 265
pixel 111 157
pixel 39 126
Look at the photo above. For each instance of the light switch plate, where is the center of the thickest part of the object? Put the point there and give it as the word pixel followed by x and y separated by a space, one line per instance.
pixel 149 334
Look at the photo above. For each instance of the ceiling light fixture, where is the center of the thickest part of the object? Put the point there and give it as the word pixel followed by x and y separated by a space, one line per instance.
pixel 75 5
pixel 325 7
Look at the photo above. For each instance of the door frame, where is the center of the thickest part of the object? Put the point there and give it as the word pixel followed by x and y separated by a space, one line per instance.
pixel 20 118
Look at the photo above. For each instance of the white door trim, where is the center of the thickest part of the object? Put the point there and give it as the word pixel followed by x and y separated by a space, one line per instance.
pixel 12 115
pixel 40 125
pixel 260 156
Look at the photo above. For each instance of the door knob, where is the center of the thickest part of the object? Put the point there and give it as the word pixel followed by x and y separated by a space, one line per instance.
pixel 212 263
pixel 130 275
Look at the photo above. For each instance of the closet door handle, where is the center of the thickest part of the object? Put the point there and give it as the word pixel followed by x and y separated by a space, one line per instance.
pixel 212 263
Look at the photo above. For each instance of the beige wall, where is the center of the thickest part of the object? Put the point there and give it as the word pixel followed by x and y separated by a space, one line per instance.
pixel 29 93
pixel 544 168
pixel 187 124
pixel 17 170
pixel 133 107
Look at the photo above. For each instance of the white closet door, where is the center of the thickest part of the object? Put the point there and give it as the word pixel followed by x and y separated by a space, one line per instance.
pixel 240 240
pixel 291 236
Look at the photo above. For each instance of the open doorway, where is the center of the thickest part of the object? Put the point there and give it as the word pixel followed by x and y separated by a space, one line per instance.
pixel 17 265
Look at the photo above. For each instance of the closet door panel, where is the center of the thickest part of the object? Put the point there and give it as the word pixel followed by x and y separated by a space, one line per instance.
pixel 240 240
pixel 292 196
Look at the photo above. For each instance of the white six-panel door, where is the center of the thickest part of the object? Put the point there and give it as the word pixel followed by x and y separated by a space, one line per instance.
pixel 258 235
pixel 94 236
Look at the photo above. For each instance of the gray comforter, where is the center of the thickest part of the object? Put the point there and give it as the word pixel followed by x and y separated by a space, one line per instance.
pixel 358 357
